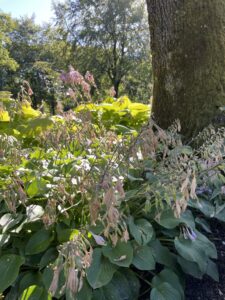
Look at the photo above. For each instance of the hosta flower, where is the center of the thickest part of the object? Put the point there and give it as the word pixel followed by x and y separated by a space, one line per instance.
pixel 99 239
pixel 188 233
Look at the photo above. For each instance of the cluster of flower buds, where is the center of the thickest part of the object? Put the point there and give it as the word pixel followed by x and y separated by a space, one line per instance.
pixel 78 82
pixel 188 233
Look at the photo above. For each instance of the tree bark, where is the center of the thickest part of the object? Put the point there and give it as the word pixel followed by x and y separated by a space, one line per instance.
pixel 188 52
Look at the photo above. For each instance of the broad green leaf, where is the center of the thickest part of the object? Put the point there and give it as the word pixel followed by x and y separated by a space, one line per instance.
pixel 101 270
pixel 204 206
pixel 86 292
pixel 9 269
pixel 49 256
pixel 208 247
pixel 28 279
pixel 203 223
pixel 39 242
pixel 35 292
pixel 123 286
pixel 192 251
pixel 165 291
pixel 169 221
pixel 141 230
pixel 162 254
pixel 190 267
pixel 36 187
pixel 170 277
pixel 212 270
pixel 121 254
pixel 143 258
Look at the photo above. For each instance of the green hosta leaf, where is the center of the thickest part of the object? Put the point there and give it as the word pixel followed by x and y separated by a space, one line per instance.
pixel 220 215
pixel 169 221
pixel 212 270
pixel 190 267
pixel 208 247
pixel 141 230
pixel 204 206
pixel 165 291
pixel 123 286
pixel 9 269
pixel 35 292
pixel 203 223
pixel 121 254
pixel 28 279
pixel 39 242
pixel 143 258
pixel 37 187
pixel 49 256
pixel 65 234
pixel 170 277
pixel 162 254
pixel 101 270
pixel 86 292
pixel 192 251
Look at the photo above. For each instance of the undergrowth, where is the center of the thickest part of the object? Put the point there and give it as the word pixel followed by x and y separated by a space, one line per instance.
pixel 100 203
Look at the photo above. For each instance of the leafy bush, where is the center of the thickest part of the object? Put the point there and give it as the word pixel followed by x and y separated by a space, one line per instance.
pixel 94 207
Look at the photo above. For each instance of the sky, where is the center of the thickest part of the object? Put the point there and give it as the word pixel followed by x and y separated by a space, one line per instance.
pixel 17 8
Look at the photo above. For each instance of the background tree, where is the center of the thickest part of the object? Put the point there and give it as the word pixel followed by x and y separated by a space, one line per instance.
pixel 108 37
pixel 6 61
pixel 188 50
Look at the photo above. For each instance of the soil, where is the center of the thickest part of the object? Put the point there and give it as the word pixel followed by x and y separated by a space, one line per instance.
pixel 207 288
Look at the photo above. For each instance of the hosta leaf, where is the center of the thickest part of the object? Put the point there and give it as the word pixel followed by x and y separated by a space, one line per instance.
pixel 190 267
pixel 162 254
pixel 212 270
pixel 86 292
pixel 169 221
pixel 37 187
pixel 35 292
pixel 208 247
pixel 9 269
pixel 121 254
pixel 191 251
pixel 170 277
pixel 49 256
pixel 141 230
pixel 39 242
pixel 101 270
pixel 143 258
pixel 203 223
pixel 123 286
pixel 165 291
pixel 28 279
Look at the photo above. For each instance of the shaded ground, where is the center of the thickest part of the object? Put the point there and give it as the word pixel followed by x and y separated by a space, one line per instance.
pixel 207 289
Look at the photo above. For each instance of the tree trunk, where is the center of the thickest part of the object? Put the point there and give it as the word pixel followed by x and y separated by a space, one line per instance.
pixel 188 51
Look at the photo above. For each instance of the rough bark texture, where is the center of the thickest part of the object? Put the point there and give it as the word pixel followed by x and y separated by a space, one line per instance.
pixel 188 50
